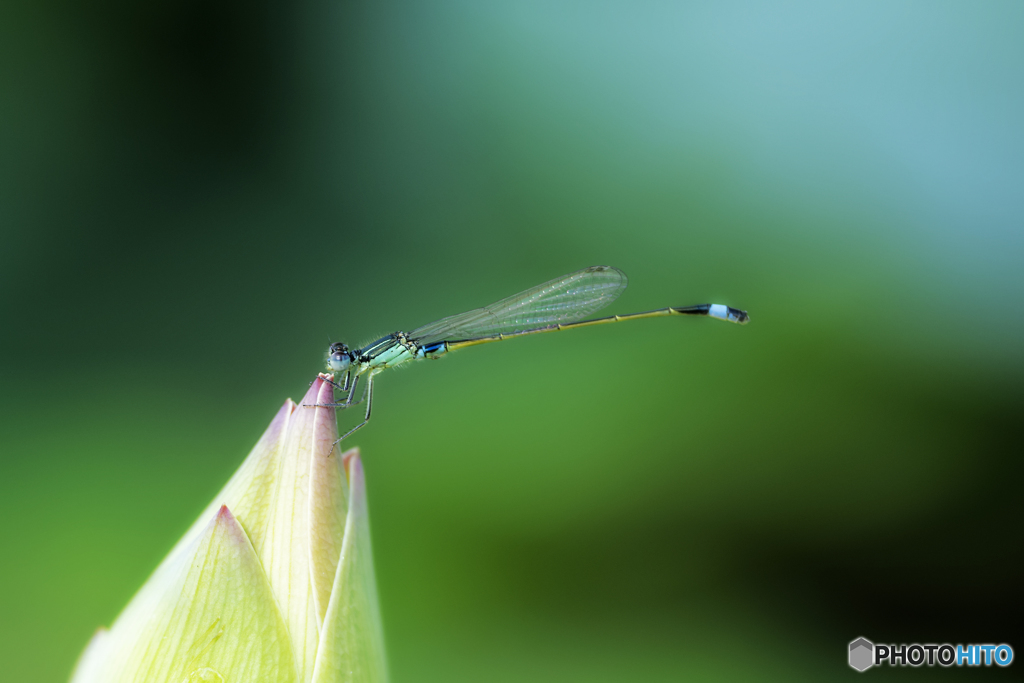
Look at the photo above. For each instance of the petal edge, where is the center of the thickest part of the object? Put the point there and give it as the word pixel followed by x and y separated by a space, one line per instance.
pixel 351 648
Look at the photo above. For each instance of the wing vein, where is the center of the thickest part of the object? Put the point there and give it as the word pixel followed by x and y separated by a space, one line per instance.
pixel 566 299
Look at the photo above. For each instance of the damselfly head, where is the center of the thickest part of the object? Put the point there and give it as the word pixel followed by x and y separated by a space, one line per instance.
pixel 339 357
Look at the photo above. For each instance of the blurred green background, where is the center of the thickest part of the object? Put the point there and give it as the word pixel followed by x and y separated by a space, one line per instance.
pixel 194 195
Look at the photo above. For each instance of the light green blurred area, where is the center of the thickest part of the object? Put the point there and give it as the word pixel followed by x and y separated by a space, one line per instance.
pixel 193 198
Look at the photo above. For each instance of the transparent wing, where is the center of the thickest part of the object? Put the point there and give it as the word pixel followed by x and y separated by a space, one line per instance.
pixel 566 299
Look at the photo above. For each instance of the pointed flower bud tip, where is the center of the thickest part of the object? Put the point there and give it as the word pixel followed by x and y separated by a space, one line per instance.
pixel 274 582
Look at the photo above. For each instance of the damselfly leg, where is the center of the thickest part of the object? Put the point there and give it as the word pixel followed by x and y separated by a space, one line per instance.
pixel 340 387
pixel 348 388
pixel 369 406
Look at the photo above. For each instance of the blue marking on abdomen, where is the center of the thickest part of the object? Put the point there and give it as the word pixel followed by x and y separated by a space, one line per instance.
pixel 433 348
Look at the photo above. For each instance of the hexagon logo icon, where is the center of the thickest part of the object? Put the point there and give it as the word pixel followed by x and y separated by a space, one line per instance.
pixel 862 654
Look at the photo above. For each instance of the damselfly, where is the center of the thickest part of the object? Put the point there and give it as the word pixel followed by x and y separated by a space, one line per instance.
pixel 560 304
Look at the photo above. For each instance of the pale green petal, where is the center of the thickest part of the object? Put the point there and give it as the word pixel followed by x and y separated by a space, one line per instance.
pixel 290 495
pixel 87 670
pixel 328 503
pixel 207 615
pixel 352 641
pixel 289 499
pixel 282 541
pixel 248 485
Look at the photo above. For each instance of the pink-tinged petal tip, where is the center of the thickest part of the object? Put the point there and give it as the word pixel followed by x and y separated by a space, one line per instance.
pixel 229 526
pixel 281 417
pixel 346 459
pixel 320 391
pixel 326 394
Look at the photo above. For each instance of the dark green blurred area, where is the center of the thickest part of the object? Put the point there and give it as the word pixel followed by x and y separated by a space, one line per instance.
pixel 194 196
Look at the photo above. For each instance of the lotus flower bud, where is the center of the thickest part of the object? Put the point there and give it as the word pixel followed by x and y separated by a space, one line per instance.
pixel 273 583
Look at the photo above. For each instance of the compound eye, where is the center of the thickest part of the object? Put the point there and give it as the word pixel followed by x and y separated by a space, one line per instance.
pixel 338 362
pixel 338 347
